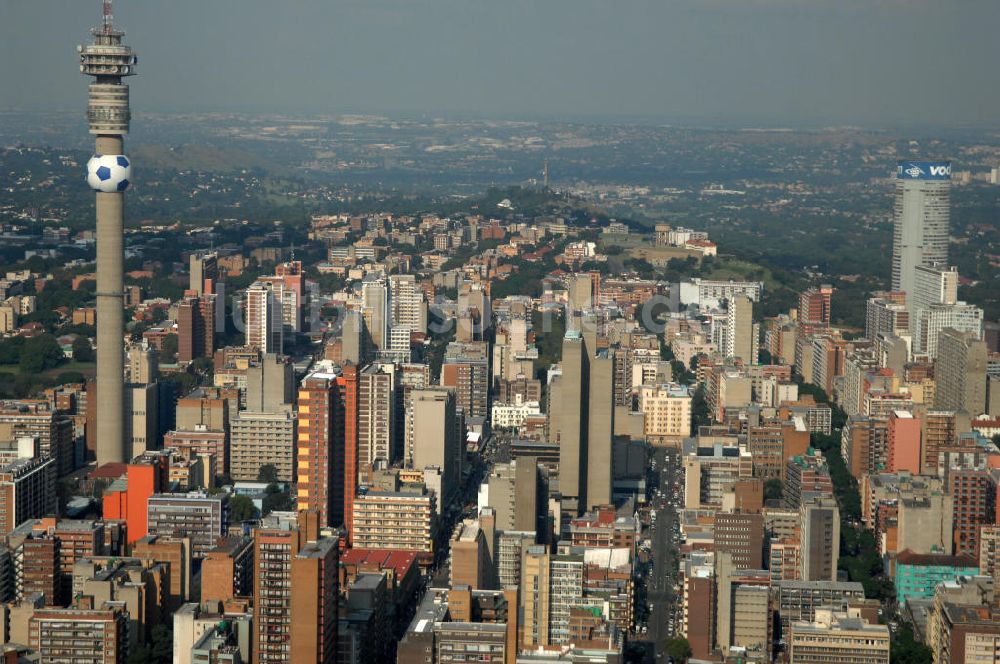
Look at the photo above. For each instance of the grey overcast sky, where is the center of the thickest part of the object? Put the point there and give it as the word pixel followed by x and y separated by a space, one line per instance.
pixel 774 62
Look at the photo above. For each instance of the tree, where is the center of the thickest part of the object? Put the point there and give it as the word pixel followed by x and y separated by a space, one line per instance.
pixel 159 650
pixel 10 350
pixel 241 508
pixel 677 648
pixel 700 412
pixel 773 489
pixel 275 499
pixel 82 350
pixel 162 647
pixel 268 473
pixel 904 648
pixel 168 352
pixel 40 353
pixel 70 377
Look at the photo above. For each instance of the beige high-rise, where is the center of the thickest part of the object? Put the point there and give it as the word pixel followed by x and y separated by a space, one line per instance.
pixel 960 373
pixel 568 408
pixel 433 436
pixel 740 341
pixel 600 430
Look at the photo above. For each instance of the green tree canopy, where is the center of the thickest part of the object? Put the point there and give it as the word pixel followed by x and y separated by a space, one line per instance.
pixel 40 353
pixel 241 508
pixel 82 350
pixel 168 353
pixel 677 648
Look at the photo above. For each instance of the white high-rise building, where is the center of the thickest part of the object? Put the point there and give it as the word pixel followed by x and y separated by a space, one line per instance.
pixel 959 316
pixel 264 325
pixel 921 217
pixel 408 306
pixel 934 306
pixel 933 284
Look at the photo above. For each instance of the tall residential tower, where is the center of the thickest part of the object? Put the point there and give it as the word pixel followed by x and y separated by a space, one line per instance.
pixel 108 60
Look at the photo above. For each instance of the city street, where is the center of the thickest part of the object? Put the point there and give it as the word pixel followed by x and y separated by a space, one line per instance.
pixel 664 619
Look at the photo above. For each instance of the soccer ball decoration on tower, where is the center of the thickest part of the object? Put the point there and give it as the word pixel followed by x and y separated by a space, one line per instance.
pixel 109 172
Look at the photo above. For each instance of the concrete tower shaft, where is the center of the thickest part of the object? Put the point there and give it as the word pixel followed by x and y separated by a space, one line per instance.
pixel 108 59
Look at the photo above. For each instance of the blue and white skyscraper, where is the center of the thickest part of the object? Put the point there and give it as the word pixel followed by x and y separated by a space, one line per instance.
pixel 921 220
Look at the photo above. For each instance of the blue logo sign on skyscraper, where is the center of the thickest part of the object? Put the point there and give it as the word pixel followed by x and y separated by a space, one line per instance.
pixel 923 170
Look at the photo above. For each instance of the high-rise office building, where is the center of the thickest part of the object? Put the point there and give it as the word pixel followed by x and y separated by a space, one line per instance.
pixel 345 455
pixel 87 636
pixel 376 310
pixel 316 471
pixel 227 570
pixel 513 491
pixel 903 442
pixel 175 552
pixel 195 327
pixel 743 606
pixel 352 338
pixel 290 281
pixel 838 637
pixel 262 439
pixel 741 536
pixel 393 520
pixel 974 494
pixel 921 218
pixel 600 430
pixel 27 491
pixel 109 60
pixel 270 385
pixel 52 428
pixel 666 411
pixel 466 369
pixel 143 365
pixel 264 322
pixel 314 600
pixel 295 591
pixel 470 563
pixel 202 267
pixel 932 321
pixel 814 306
pixel 376 419
pixel 886 314
pixel 568 405
pixel 741 332
pixel 434 436
pixel 552 584
pixel 934 306
pixel 201 517
pixel 409 309
pixel 820 527
pixel 142 407
pixel 960 373
pixel 206 278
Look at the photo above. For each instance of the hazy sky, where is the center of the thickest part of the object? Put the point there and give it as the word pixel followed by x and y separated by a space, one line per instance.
pixel 875 62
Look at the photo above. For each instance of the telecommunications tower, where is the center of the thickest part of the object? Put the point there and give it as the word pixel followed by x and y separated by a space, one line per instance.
pixel 108 60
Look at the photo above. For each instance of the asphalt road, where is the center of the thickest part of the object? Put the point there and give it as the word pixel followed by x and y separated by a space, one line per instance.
pixel 660 591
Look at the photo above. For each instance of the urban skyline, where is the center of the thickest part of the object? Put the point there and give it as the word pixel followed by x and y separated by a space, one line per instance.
pixel 330 393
